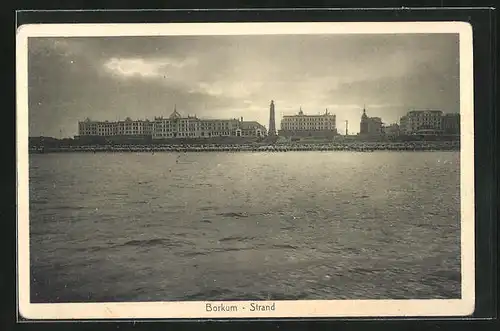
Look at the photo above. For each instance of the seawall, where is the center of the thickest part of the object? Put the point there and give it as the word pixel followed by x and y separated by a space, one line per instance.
pixel 356 147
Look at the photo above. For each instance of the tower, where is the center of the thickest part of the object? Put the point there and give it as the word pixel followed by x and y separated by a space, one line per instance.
pixel 272 121
pixel 363 126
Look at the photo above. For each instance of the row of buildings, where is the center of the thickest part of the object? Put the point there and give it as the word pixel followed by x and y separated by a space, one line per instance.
pixel 174 126
pixel 415 122
pixel 429 122
pixel 178 126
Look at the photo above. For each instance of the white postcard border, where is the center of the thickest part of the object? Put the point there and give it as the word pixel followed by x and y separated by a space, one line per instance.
pixel 285 308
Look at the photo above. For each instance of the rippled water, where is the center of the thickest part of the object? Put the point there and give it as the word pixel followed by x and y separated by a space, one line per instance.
pixel 231 226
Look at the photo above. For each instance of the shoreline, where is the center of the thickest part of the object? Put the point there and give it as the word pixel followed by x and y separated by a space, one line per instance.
pixel 402 147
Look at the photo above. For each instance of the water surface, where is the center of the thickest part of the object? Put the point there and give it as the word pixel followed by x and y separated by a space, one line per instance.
pixel 244 226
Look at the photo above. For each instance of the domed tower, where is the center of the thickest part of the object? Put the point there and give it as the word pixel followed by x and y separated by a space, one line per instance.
pixel 363 126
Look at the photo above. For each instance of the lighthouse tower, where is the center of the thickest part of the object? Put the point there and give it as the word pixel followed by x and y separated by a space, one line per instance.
pixel 272 121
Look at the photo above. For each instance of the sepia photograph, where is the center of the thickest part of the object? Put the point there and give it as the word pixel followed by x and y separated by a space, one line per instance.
pixel 245 170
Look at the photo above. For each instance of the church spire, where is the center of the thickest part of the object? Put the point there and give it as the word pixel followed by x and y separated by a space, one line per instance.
pixel 364 116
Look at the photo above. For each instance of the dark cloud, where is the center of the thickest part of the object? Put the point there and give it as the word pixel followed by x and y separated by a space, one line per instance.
pixel 232 76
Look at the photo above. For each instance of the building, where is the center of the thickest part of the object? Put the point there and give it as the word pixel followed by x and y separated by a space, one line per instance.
pixel 174 126
pixel 451 123
pixel 370 125
pixel 427 122
pixel 391 130
pixel 250 129
pixel 363 124
pixel 135 128
pixel 272 121
pixel 303 125
pixel 375 126
pixel 177 126
pixel 404 126
pixel 127 127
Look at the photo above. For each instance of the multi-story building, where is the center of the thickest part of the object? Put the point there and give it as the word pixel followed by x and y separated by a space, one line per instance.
pixel 422 122
pixel 404 125
pixel 370 125
pixel 375 125
pixel 451 123
pixel 127 127
pixel 176 126
pixel 391 130
pixel 303 125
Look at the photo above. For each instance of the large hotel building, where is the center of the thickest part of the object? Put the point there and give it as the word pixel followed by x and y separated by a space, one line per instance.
pixel 421 121
pixel 174 126
pixel 128 127
pixel 302 125
pixel 430 122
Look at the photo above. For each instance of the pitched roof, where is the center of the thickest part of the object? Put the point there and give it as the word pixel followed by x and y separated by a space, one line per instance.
pixel 250 125
pixel 175 114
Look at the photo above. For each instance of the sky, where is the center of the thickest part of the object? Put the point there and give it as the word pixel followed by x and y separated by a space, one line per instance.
pixel 111 78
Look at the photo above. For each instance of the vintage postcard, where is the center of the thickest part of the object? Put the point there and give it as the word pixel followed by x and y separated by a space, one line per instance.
pixel 245 170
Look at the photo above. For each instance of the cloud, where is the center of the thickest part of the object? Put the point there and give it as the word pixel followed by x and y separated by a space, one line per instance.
pixel 361 106
pixel 65 47
pixel 229 88
pixel 233 76
pixel 147 68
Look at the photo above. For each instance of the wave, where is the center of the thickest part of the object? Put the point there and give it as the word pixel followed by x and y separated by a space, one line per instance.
pixel 447 275
pixel 152 242
pixel 233 214
pixel 68 208
pixel 236 238
pixel 38 202
pixel 91 249
pixel 218 250
pixel 285 246
pixel 204 185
